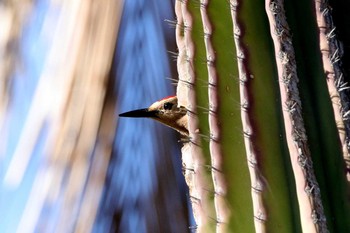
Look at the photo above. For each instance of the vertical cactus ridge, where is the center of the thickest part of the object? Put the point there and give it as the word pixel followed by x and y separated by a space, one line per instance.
pixel 219 182
pixel 323 137
pixel 266 154
pixel 241 218
pixel 196 171
pixel 310 204
pixel 331 50
pixel 257 182
pixel 231 134
pixel 331 53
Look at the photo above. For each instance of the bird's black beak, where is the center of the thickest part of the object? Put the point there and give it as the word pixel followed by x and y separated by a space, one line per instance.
pixel 140 113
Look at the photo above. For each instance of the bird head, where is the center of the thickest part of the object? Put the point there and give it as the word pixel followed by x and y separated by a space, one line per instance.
pixel 165 111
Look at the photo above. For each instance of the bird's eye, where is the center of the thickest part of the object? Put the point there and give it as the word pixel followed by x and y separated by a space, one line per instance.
pixel 168 106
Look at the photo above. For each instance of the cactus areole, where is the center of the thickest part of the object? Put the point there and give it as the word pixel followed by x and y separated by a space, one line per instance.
pixel 165 111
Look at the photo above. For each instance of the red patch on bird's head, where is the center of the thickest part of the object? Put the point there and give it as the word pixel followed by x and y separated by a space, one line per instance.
pixel 168 97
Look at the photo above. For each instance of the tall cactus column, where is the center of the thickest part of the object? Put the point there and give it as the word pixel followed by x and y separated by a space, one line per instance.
pixel 264 153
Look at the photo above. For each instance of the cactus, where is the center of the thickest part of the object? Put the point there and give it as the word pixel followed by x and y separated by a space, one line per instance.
pixel 267 102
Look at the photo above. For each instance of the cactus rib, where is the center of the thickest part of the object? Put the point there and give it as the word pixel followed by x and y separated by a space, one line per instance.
pixel 331 51
pixel 220 188
pixel 311 209
pixel 255 175
pixel 194 164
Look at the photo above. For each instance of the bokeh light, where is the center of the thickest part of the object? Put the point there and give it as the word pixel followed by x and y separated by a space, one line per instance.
pixel 68 164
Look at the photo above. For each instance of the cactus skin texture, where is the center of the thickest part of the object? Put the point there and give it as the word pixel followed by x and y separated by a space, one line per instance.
pixel 268 107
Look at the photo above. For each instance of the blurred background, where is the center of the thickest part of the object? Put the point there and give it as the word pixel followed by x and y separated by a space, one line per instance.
pixel 67 162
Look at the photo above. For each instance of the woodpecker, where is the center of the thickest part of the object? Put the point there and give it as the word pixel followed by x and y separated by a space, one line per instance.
pixel 165 111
